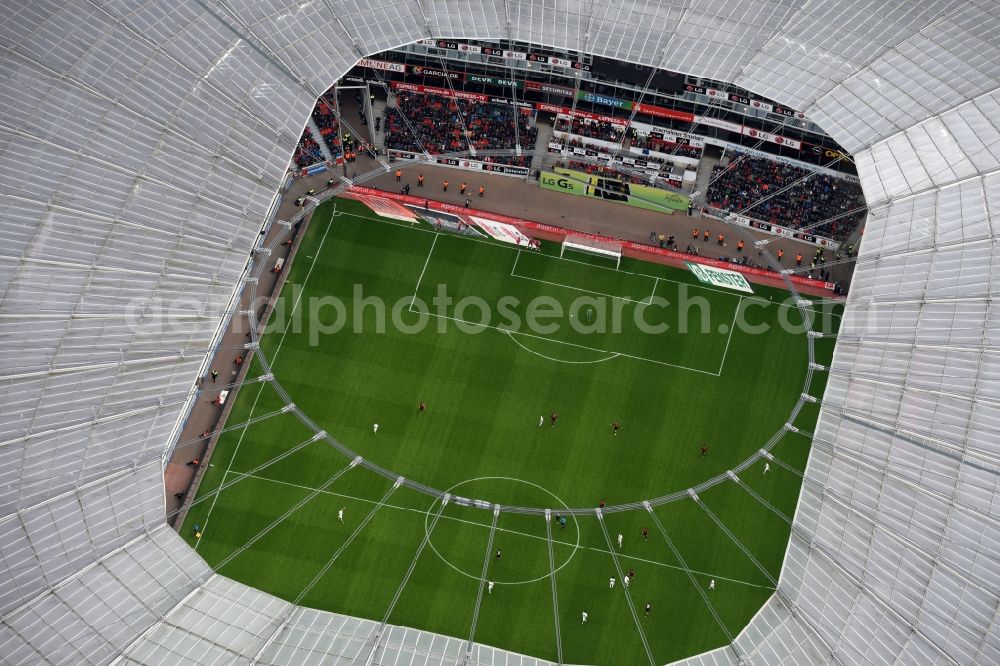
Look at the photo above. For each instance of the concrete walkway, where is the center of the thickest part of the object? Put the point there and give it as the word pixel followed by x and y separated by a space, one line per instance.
pixel 515 196
pixel 205 415
pixel 541 144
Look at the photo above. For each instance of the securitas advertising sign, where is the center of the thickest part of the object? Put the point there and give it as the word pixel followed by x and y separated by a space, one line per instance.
pixel 719 277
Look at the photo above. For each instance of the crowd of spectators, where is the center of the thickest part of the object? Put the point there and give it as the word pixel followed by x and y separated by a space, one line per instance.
pixel 647 142
pixel 438 122
pixel 592 129
pixel 602 131
pixel 308 151
pixel 605 171
pixel 811 201
pixel 576 142
pixel 326 120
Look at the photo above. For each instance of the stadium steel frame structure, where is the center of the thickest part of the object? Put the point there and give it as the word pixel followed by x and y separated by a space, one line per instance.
pixel 142 145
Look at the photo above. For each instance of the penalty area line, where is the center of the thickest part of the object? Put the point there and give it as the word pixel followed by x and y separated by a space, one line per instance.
pixel 652 294
pixel 691 285
pixel 626 299
pixel 424 270
pixel 559 360
pixel 729 339
pixel 568 344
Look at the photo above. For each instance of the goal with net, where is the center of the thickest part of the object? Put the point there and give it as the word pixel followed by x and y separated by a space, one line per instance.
pixel 595 248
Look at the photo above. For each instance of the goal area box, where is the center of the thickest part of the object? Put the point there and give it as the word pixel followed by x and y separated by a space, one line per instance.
pixel 596 248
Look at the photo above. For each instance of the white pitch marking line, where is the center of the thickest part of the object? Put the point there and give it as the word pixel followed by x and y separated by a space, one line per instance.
pixel 576 523
pixel 572 344
pixel 420 279
pixel 603 268
pixel 580 289
pixel 539 337
pixel 588 291
pixel 730 338
pixel 585 291
pixel 365 500
pixel 618 270
pixel 514 267
pixel 559 360
pixel 291 318
pixel 548 256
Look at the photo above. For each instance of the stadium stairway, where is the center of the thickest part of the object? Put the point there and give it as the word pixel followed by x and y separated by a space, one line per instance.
pixel 541 144
pixel 325 149
pixel 378 111
pixel 349 111
pixel 708 161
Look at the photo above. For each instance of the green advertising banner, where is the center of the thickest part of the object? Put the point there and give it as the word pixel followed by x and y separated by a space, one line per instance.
pixel 611 189
pixel 494 81
pixel 574 184
pixel 719 277
pixel 654 198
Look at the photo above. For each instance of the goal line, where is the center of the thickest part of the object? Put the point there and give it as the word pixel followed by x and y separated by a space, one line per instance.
pixel 597 248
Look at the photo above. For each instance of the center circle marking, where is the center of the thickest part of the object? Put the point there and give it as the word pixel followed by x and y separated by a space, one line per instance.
pixel 430 541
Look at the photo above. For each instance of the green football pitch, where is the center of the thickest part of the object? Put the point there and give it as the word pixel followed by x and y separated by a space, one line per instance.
pixel 525 334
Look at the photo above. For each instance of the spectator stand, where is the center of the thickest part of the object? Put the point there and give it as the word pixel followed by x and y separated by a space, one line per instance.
pixel 440 124
pixel 327 119
pixel 590 128
pixel 307 152
pixel 640 145
pixel 459 161
pixel 670 147
pixel 632 169
pixel 602 171
pixel 639 170
pixel 786 199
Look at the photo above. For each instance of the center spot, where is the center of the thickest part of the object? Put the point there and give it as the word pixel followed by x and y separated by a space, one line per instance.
pixel 461 535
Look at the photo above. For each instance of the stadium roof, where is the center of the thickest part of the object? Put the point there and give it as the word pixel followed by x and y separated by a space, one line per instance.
pixel 142 143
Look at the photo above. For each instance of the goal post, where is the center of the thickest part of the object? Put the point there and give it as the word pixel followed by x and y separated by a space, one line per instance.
pixel 596 248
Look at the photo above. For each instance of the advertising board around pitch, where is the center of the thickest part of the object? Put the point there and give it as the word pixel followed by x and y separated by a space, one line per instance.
pixel 719 277
pixel 562 183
